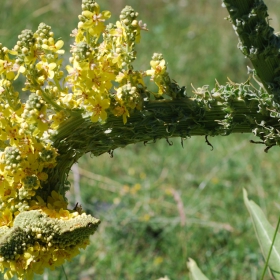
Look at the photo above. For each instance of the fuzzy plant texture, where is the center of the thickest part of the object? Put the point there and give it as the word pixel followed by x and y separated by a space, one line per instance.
pixel 99 103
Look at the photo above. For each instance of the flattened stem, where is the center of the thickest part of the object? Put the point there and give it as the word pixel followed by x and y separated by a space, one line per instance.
pixel 161 119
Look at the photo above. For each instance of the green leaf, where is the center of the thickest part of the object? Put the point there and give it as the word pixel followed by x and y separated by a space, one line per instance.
pixel 265 234
pixel 195 272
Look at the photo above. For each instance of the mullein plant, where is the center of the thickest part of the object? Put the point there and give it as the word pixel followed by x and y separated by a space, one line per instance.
pixel 98 104
pixel 36 228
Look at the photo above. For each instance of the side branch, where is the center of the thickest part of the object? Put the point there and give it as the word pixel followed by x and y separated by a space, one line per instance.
pixel 257 40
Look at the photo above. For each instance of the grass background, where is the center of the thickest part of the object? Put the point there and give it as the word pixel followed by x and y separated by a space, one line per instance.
pixel 162 204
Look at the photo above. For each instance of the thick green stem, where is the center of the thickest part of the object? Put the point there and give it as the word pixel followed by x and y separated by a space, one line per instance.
pixel 237 109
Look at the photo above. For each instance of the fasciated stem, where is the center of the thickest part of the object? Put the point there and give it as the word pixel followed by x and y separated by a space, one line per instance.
pixel 222 111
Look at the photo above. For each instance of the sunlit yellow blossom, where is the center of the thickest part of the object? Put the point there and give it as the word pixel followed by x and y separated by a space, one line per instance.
pixel 11 133
pixel 134 78
pixel 8 189
pixel 78 34
pixel 121 111
pixel 57 119
pixel 94 21
pixel 39 203
pixel 100 80
pixel 118 32
pixel 68 100
pixel 158 68
pixel 19 69
pixel 4 65
pixel 116 57
pixel 76 71
pixel 46 68
pixel 6 217
pixel 98 108
pixel 54 47
pixel 56 200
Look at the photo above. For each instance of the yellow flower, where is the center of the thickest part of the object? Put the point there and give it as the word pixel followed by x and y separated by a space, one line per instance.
pixel 94 21
pixel 121 111
pixel 76 72
pixel 56 201
pixel 158 68
pixel 100 80
pixel 19 69
pixel 158 260
pixel 6 217
pixel 4 65
pixel 42 176
pixel 39 203
pixel 158 73
pixel 119 32
pixel 98 107
pixel 46 68
pixel 54 47
pixel 145 218
pixel 57 119
pixel 117 58
pixel 78 34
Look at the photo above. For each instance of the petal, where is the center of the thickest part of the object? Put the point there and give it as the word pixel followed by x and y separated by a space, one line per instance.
pixel 59 44
pixel 51 74
pixel 60 51
pixel 150 72
pixel 87 14
pixel 106 14
pixel 124 119
pixel 103 115
pixel 105 103
pixel 10 75
pixel 45 46
pixel 13 52
pixel 21 69
pixel 154 63
pixel 94 118
pixel 52 65
pixel 69 68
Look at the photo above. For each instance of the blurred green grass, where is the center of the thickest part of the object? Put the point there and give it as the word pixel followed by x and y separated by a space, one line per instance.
pixel 161 204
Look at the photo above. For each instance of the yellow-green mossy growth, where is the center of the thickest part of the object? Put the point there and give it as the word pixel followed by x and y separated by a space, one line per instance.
pixel 36 241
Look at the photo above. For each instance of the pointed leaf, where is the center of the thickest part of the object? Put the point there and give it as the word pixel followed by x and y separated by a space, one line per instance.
pixel 195 272
pixel 265 233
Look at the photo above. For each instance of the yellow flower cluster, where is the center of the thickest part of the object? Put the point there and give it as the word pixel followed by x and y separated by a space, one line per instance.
pixel 158 73
pixel 100 83
pixel 96 65
pixel 27 155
